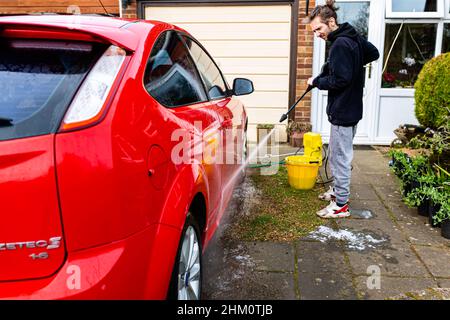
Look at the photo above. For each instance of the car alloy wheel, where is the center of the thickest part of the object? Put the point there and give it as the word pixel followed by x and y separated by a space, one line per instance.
pixel 189 270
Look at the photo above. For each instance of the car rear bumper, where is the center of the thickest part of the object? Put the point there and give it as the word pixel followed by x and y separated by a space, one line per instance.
pixel 138 267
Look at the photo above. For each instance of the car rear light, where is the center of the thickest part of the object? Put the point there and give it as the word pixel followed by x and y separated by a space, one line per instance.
pixel 89 103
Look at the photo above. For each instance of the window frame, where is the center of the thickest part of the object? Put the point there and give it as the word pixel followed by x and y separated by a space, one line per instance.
pixel 440 4
pixel 190 58
pixel 228 92
pixel 447 9
pixel 442 33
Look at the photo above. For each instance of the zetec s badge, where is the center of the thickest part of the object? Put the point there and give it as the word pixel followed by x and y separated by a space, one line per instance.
pixel 52 243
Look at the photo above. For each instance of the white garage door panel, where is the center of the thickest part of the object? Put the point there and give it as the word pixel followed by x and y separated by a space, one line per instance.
pixel 268 116
pixel 247 48
pixel 268 83
pixel 214 14
pixel 248 42
pixel 266 100
pixel 238 31
pixel 254 65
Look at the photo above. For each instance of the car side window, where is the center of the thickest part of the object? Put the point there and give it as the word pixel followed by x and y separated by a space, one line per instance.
pixel 171 76
pixel 214 82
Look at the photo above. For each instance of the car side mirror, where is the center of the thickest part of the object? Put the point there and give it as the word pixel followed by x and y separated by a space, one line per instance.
pixel 242 87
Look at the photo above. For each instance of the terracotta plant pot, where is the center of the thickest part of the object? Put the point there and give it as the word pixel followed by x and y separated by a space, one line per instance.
pixel 296 139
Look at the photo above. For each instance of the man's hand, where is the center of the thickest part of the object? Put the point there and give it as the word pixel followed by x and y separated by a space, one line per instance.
pixel 310 81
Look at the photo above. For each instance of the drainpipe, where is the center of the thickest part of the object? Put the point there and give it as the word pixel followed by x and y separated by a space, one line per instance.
pixel 307 8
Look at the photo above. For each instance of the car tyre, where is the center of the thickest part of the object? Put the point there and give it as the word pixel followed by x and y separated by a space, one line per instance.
pixel 186 281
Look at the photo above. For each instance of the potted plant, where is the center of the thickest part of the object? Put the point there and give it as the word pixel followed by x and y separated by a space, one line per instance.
pixel 414 169
pixel 436 198
pixel 443 215
pixel 296 130
pixel 400 161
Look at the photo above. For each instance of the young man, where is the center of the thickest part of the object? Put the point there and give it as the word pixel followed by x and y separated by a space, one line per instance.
pixel 344 79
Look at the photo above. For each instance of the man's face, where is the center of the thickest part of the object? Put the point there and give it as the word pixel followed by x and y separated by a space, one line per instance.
pixel 320 29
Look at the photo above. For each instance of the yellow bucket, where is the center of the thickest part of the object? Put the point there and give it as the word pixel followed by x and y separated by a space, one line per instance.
pixel 302 171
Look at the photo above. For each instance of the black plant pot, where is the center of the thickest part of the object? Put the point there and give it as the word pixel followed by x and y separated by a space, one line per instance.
pixel 423 208
pixel 406 189
pixel 445 229
pixel 432 210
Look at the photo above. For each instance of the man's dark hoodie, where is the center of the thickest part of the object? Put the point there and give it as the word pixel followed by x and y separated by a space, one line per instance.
pixel 344 75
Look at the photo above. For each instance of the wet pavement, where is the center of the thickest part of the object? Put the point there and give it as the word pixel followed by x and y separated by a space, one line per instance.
pixel 384 250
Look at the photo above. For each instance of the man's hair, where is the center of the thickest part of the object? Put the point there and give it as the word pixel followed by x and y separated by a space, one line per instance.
pixel 325 12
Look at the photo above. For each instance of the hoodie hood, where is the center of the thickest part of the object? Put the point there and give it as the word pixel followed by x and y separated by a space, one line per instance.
pixel 344 30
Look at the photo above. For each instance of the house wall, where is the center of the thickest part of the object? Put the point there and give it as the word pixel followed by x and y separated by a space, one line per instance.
pixel 305 44
pixel 58 6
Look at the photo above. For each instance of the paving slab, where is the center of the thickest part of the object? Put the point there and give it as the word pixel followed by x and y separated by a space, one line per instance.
pixel 271 256
pixel 320 258
pixel 401 212
pixel 379 229
pixel 380 179
pixel 444 283
pixel 397 260
pixel 370 162
pixel 420 232
pixel 358 177
pixel 327 286
pixel 259 286
pixel 323 272
pixel 374 206
pixel 388 192
pixel 391 287
pixel 362 192
pixel 436 259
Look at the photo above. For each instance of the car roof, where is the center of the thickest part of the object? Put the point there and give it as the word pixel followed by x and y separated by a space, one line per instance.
pixel 116 30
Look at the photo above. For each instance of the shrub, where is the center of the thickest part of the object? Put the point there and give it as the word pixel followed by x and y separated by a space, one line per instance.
pixel 432 93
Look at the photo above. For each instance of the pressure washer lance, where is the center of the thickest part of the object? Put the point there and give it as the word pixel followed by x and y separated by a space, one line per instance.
pixel 285 116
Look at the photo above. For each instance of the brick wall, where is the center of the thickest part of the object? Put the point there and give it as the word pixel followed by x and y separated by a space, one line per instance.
pixel 304 64
pixel 129 10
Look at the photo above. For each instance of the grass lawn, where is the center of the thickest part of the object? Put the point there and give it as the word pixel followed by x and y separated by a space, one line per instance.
pixel 282 213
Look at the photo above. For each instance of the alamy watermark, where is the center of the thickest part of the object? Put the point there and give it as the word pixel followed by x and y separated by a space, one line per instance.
pixel 373 281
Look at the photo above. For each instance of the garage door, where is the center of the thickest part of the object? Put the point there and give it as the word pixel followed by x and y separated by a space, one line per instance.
pixel 246 41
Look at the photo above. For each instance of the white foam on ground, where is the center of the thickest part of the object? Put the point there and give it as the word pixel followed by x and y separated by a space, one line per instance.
pixel 354 240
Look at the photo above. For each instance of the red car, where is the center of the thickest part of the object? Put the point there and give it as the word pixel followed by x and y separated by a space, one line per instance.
pixel 95 115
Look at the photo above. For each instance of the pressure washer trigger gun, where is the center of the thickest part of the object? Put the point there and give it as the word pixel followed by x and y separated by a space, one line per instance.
pixel 284 116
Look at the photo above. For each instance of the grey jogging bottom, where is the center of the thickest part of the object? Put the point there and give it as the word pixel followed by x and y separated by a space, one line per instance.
pixel 340 152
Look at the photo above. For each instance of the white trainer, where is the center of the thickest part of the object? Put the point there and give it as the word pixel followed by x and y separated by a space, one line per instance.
pixel 333 211
pixel 328 195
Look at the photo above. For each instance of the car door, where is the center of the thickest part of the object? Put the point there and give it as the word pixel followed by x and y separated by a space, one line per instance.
pixel 229 111
pixel 172 79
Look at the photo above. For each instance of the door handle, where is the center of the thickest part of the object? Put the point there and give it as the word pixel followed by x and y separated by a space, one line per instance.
pixel 369 70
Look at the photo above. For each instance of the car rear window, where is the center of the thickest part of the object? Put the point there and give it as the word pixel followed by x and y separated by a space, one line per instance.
pixel 38 81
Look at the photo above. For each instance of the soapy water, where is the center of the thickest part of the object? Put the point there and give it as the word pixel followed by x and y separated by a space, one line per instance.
pixel 361 213
pixel 353 240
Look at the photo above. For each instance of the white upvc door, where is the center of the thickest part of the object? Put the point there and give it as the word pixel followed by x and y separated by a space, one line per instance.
pixel 368 17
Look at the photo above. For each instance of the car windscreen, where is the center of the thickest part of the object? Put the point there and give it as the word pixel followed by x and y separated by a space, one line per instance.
pixel 38 80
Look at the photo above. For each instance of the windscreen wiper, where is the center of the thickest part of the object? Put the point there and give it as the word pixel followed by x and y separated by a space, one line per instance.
pixel 5 122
